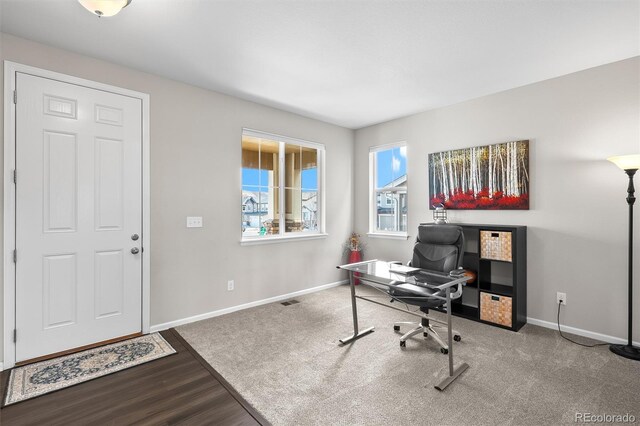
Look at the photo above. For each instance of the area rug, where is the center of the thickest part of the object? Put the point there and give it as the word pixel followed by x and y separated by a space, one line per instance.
pixel 47 376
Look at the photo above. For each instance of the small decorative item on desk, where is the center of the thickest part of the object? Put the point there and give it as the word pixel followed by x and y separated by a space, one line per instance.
pixel 354 247
pixel 440 215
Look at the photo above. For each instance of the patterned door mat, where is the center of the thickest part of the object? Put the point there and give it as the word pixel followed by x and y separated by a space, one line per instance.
pixel 47 376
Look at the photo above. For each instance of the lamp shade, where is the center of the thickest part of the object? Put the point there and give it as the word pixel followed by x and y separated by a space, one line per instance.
pixel 104 7
pixel 626 162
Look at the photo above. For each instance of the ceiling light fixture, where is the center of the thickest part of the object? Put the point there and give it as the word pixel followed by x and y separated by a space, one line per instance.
pixel 104 7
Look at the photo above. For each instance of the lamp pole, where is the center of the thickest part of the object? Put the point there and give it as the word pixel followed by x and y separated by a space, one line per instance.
pixel 630 166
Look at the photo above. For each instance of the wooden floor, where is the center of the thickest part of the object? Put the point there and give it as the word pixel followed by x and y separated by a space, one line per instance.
pixel 178 389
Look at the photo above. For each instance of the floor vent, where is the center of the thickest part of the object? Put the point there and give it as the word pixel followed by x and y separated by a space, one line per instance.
pixel 290 302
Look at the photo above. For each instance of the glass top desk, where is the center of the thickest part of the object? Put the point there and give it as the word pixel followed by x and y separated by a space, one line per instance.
pixel 420 283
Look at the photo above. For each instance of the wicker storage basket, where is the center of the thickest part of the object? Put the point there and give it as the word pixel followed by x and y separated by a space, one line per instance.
pixel 495 309
pixel 495 245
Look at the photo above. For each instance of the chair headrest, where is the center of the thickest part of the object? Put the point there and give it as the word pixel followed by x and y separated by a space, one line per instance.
pixel 439 234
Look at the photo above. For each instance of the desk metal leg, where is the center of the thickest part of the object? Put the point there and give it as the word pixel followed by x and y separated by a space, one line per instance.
pixel 356 333
pixel 453 373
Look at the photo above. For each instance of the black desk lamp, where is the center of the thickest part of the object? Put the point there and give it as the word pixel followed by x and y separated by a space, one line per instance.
pixel 630 164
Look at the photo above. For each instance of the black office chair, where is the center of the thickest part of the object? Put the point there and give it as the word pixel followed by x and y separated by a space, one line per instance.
pixel 438 248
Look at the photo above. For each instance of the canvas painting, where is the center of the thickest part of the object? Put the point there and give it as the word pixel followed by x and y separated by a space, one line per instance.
pixel 491 177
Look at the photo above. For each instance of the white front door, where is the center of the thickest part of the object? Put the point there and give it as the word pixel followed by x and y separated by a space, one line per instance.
pixel 78 216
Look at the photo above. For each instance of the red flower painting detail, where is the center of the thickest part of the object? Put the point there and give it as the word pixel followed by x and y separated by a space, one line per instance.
pixel 492 177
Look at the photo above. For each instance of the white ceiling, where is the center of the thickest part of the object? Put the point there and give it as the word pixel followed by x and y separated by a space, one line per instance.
pixel 353 63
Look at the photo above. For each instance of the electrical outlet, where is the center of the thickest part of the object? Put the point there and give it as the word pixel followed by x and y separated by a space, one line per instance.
pixel 194 221
pixel 230 285
pixel 561 298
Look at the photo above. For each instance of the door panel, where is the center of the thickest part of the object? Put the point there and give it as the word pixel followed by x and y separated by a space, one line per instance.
pixel 78 201
pixel 59 290
pixel 109 115
pixel 61 182
pixel 60 107
pixel 109 282
pixel 109 158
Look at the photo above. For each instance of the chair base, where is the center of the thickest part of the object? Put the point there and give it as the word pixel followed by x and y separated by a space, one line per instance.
pixel 427 330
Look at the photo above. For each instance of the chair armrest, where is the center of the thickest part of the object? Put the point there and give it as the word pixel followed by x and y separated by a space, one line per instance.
pixel 398 262
pixel 462 280
pixel 457 273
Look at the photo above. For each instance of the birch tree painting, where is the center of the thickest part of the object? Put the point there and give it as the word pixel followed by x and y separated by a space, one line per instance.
pixel 492 177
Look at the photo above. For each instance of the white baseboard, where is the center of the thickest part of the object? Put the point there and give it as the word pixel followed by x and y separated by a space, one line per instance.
pixel 579 331
pixel 1 369
pixel 166 325
pixel 532 321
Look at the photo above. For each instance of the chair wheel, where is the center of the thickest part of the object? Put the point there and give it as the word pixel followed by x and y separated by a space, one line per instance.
pixel 425 334
pixel 403 344
pixel 444 350
pixel 457 337
pixel 396 327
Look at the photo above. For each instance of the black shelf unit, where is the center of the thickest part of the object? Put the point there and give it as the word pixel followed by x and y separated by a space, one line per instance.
pixel 499 293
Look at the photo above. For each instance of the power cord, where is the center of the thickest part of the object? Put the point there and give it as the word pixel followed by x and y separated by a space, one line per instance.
pixel 573 341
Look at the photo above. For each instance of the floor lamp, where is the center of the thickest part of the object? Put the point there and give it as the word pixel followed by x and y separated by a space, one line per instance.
pixel 630 164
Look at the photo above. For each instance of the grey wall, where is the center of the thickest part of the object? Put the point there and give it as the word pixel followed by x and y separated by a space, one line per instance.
pixel 195 171
pixel 577 235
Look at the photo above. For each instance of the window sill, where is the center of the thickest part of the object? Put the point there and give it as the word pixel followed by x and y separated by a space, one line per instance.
pixel 395 236
pixel 279 239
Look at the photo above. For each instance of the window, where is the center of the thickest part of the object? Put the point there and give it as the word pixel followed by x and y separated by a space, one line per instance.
pixel 388 196
pixel 281 184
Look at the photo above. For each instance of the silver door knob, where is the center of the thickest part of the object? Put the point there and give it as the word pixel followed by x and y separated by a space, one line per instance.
pixel 135 250
pixel 135 237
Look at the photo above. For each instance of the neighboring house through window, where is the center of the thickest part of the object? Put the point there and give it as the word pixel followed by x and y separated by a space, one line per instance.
pixel 388 190
pixel 281 184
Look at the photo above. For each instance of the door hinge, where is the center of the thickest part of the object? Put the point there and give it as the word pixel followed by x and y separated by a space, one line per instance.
pixel 15 97
pixel 15 256
pixel 15 335
pixel 15 176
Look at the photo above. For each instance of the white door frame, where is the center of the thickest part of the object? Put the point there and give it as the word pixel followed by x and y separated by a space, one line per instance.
pixel 9 236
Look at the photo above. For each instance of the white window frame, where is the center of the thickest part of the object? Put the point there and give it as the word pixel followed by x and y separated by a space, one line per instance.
pixel 373 194
pixel 282 234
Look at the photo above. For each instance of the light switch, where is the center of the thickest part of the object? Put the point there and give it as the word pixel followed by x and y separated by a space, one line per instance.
pixel 194 221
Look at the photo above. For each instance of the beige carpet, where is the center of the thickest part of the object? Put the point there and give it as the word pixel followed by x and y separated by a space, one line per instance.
pixel 286 361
